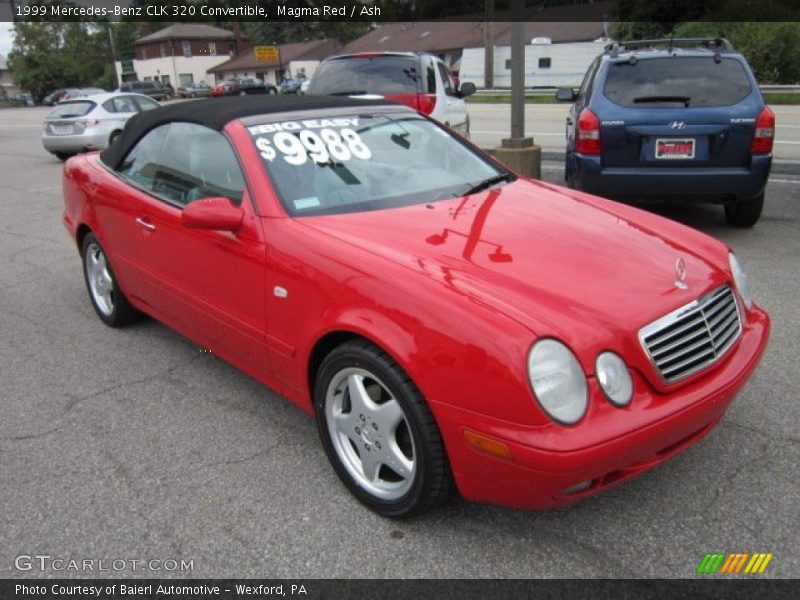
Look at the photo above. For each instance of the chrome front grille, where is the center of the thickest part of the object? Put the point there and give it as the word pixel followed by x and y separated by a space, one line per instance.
pixel 694 336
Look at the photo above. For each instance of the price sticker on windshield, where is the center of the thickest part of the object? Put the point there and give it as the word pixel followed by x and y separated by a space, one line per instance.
pixel 319 140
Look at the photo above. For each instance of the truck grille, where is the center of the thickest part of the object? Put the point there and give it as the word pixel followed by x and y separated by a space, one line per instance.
pixel 694 336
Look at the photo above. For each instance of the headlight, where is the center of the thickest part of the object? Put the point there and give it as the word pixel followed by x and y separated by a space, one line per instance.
pixel 558 381
pixel 614 378
pixel 740 281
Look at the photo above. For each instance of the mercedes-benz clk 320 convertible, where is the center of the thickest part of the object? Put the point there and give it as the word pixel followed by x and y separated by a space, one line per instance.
pixel 447 323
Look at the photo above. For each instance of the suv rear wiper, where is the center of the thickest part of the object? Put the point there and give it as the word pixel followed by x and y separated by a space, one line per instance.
pixel 487 183
pixel 644 99
pixel 349 93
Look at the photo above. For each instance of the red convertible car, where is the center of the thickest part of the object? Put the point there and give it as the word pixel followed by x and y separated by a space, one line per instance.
pixel 447 323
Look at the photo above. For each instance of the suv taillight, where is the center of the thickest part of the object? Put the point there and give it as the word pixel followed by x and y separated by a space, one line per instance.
pixel 764 136
pixel 427 103
pixel 587 137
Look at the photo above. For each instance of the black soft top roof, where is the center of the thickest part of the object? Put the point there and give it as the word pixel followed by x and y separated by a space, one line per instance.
pixel 218 112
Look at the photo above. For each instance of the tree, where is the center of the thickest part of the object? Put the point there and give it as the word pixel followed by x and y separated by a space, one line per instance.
pixel 772 49
pixel 50 55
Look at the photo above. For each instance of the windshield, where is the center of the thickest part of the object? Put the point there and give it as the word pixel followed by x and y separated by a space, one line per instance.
pixel 357 163
pixel 367 75
pixel 677 81
pixel 71 109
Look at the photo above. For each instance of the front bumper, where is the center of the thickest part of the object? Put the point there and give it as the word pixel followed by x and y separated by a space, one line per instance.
pixel 714 184
pixel 547 461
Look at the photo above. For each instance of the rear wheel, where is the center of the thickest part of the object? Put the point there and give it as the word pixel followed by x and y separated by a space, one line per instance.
pixel 746 213
pixel 378 432
pixel 62 156
pixel 109 302
pixel 113 137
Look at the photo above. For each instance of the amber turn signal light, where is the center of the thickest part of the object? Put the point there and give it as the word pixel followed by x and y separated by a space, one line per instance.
pixel 487 445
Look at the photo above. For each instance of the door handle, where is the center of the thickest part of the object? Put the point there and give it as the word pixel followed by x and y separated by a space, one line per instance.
pixel 146 224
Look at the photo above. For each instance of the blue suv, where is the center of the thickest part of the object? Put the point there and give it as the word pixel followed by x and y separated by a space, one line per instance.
pixel 679 119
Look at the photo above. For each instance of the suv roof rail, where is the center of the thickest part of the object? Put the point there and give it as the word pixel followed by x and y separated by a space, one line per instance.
pixel 718 44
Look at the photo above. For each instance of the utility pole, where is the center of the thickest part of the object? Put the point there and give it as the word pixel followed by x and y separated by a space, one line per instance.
pixel 518 78
pixel 488 45
pixel 113 53
pixel 518 152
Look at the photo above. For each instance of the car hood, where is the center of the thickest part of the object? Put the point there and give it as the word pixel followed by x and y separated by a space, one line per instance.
pixel 569 265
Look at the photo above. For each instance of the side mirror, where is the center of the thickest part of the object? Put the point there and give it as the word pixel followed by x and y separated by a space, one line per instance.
pixel 466 89
pixel 566 95
pixel 217 214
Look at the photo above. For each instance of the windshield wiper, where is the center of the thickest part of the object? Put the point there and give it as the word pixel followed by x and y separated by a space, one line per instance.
pixel 646 99
pixel 487 183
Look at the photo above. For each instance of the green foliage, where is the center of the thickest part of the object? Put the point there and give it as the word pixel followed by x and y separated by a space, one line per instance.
pixel 50 55
pixel 772 49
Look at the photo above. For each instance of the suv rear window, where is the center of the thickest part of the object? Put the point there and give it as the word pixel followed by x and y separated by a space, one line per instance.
pixel 69 110
pixel 367 75
pixel 677 81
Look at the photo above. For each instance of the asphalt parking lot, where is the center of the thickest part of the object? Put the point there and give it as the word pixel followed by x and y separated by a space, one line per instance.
pixel 135 444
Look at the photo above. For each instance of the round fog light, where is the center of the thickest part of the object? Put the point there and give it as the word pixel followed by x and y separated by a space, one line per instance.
pixel 614 378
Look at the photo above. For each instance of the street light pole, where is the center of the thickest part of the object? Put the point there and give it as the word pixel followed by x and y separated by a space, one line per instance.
pixel 518 151
pixel 488 45
pixel 518 79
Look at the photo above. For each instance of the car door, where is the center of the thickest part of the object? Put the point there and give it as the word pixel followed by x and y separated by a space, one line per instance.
pixel 207 284
pixel 455 106
pixel 119 109
pixel 145 103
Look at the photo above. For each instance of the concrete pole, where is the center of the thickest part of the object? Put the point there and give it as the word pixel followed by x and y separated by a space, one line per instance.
pixel 113 54
pixel 517 78
pixel 518 152
pixel 488 46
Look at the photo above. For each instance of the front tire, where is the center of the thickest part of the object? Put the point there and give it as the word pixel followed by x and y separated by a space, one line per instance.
pixel 379 433
pixel 744 214
pixel 107 298
pixel 63 156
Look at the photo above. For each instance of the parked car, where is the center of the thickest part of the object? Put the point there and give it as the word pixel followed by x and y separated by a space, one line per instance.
pixel 292 86
pixel 304 86
pixel 90 123
pixel 194 90
pixel 440 317
pixel 672 119
pixel 53 97
pixel 74 93
pixel 149 88
pixel 419 80
pixel 243 86
pixel 22 99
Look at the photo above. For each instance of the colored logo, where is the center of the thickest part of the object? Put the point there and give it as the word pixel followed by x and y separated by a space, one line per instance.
pixel 734 563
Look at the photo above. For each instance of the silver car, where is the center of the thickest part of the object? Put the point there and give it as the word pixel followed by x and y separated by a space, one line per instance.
pixel 90 123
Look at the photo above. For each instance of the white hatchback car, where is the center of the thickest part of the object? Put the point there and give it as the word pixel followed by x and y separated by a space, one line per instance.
pixel 90 123
pixel 416 79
